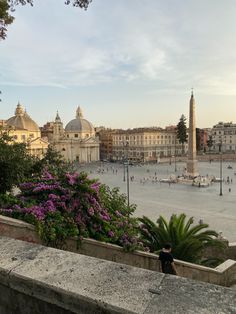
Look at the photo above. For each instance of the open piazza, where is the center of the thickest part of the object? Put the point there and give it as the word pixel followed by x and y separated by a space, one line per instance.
pixel 154 198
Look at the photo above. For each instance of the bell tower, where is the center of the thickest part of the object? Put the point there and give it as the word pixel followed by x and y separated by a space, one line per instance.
pixel 57 128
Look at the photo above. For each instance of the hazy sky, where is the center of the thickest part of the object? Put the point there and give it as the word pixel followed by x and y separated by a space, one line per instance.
pixel 127 63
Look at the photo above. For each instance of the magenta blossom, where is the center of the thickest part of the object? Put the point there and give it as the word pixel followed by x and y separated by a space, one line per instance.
pixel 91 211
pixel 72 178
pixel 110 234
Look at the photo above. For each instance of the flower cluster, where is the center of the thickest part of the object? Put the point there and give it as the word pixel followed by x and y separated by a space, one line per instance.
pixel 72 204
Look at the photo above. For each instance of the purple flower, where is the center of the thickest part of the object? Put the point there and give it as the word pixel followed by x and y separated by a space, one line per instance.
pixel 95 186
pixel 53 197
pixel 26 185
pixel 72 178
pixel 110 234
pixel 17 207
pixel 47 175
pixel 91 211
pixel 37 211
pixel 105 217
pixel 6 210
pixel 118 213
pixel 49 206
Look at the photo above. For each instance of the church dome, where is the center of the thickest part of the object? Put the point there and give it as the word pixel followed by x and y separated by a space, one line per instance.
pixel 22 120
pixel 79 124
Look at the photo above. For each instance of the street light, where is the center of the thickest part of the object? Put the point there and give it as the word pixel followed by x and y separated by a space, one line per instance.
pixel 221 178
pixel 175 157
pixel 124 160
pixel 127 169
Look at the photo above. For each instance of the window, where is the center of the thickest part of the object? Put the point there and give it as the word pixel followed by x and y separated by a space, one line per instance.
pixel 76 135
pixel 23 137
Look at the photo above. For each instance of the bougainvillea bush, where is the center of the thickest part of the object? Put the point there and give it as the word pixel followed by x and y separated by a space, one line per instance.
pixel 71 204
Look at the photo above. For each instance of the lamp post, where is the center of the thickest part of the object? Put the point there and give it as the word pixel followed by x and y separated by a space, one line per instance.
pixel 175 157
pixel 221 178
pixel 124 160
pixel 127 169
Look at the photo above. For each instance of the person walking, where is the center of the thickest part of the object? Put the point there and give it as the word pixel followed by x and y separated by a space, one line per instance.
pixel 167 265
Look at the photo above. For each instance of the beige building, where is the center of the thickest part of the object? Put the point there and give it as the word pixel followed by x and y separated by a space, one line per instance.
pixel 224 133
pixel 25 130
pixel 106 142
pixel 77 142
pixel 146 144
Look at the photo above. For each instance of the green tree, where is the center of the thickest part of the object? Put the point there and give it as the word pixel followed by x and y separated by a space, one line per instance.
pixel 188 241
pixel 7 6
pixel 54 162
pixel 5 18
pixel 182 132
pixel 198 139
pixel 210 142
pixel 15 163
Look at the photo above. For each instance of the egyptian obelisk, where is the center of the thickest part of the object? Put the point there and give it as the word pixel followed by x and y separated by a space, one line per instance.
pixel 192 149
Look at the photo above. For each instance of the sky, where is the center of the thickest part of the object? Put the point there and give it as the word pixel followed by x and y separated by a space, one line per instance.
pixel 125 63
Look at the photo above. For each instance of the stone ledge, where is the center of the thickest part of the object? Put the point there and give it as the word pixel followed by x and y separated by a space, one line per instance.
pixel 82 284
pixel 16 222
pixel 224 275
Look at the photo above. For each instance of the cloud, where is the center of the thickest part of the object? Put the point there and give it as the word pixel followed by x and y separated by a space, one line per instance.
pixel 175 45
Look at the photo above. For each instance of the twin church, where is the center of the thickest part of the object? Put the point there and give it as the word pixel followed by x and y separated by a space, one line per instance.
pixel 75 142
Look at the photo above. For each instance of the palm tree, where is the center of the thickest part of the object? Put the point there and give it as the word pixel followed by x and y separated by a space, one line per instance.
pixel 188 242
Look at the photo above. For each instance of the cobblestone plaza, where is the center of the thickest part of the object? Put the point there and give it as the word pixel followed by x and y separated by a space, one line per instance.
pixel 154 198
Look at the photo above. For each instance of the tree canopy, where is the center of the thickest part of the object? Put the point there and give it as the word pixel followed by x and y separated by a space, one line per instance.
pixel 210 142
pixel 198 139
pixel 8 6
pixel 182 131
pixel 15 163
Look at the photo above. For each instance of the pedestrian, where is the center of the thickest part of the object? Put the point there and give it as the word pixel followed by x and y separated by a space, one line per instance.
pixel 229 189
pixel 167 265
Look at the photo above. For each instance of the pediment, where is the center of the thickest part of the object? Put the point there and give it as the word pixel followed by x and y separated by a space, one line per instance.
pixel 38 141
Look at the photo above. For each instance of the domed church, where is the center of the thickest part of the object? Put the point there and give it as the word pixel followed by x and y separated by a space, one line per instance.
pixel 25 130
pixel 78 141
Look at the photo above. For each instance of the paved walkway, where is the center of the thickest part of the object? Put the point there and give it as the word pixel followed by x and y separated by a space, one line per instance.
pixel 154 198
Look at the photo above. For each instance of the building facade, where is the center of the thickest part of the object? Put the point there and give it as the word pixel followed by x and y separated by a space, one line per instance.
pixel 146 144
pixel 25 130
pixel 106 143
pixel 224 134
pixel 77 142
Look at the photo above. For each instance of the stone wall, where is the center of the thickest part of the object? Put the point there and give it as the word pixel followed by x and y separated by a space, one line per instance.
pixel 35 279
pixel 231 251
pixel 224 274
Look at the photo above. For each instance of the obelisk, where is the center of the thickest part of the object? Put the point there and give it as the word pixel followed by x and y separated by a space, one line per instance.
pixel 192 149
